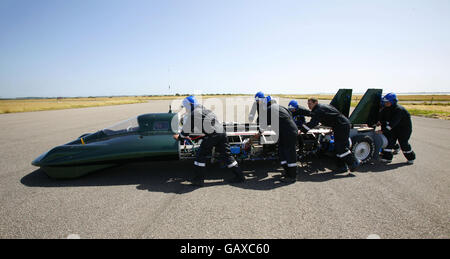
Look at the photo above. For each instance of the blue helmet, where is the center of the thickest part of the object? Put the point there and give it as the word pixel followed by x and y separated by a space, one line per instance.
pixel 267 100
pixel 293 104
pixel 259 96
pixel 390 97
pixel 189 101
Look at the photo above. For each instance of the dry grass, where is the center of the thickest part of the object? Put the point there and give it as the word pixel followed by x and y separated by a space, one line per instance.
pixel 425 98
pixel 431 111
pixel 431 106
pixel 30 105
pixel 298 97
pixel 435 110
pixel 402 98
pixel 424 109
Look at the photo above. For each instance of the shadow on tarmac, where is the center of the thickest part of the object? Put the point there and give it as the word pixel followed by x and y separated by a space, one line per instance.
pixel 170 177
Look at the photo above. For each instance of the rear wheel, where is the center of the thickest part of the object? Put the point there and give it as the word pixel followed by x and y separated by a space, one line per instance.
pixel 363 148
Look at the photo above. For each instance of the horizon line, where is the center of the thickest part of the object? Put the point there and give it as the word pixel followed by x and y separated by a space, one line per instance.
pixel 172 95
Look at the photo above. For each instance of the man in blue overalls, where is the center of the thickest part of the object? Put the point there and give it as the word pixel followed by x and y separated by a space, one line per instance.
pixel 298 114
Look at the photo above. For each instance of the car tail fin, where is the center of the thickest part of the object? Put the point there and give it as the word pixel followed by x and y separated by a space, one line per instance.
pixel 366 112
pixel 342 101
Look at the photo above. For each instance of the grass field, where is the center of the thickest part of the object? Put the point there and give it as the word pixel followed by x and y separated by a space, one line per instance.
pixel 432 111
pixel 30 105
pixel 434 106
pixel 438 110
pixel 402 98
pixel 425 109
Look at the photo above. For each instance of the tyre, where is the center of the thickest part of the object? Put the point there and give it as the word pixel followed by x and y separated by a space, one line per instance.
pixel 363 148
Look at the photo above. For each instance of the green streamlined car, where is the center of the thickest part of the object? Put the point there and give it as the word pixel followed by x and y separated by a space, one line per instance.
pixel 148 137
pixel 145 137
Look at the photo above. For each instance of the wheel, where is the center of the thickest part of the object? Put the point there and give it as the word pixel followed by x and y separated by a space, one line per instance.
pixel 363 148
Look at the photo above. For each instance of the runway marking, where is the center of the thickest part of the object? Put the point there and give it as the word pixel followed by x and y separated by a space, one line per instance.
pixel 373 236
pixel 73 236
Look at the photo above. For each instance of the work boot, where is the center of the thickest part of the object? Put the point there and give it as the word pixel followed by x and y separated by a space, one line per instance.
pixel 341 170
pixel 288 180
pixel 410 156
pixel 355 165
pixel 292 172
pixel 291 175
pixel 352 162
pixel 341 166
pixel 386 157
pixel 384 160
pixel 199 178
pixel 198 182
pixel 239 175
pixel 285 172
pixel 396 149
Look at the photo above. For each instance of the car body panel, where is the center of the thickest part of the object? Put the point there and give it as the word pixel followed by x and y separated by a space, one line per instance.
pixel 366 112
pixel 99 150
pixel 342 101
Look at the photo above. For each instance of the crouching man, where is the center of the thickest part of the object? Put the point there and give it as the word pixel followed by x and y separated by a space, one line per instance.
pixel 203 121
pixel 396 125
pixel 329 116
pixel 287 135
pixel 299 113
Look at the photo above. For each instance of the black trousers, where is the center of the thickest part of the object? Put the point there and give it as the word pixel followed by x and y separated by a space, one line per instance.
pixel 342 146
pixel 287 148
pixel 220 142
pixel 341 136
pixel 402 135
pixel 301 143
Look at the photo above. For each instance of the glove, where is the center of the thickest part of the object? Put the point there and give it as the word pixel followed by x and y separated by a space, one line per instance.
pixel 388 127
pixel 305 128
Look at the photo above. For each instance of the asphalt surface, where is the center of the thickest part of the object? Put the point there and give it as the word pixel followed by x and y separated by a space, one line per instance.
pixel 154 200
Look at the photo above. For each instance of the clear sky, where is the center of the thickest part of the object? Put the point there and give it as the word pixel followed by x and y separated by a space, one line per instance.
pixel 131 47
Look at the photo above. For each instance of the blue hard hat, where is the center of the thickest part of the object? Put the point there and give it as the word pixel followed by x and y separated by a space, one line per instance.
pixel 188 101
pixel 268 99
pixel 259 96
pixel 390 97
pixel 293 104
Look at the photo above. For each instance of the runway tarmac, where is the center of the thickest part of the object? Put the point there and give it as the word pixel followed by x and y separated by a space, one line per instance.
pixel 153 200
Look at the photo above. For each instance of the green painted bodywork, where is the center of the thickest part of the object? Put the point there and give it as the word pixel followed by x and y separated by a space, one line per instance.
pixel 366 112
pixel 342 101
pixel 152 140
pixel 101 151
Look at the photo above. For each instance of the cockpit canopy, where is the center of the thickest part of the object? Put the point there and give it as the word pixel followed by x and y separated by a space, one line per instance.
pixel 155 122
